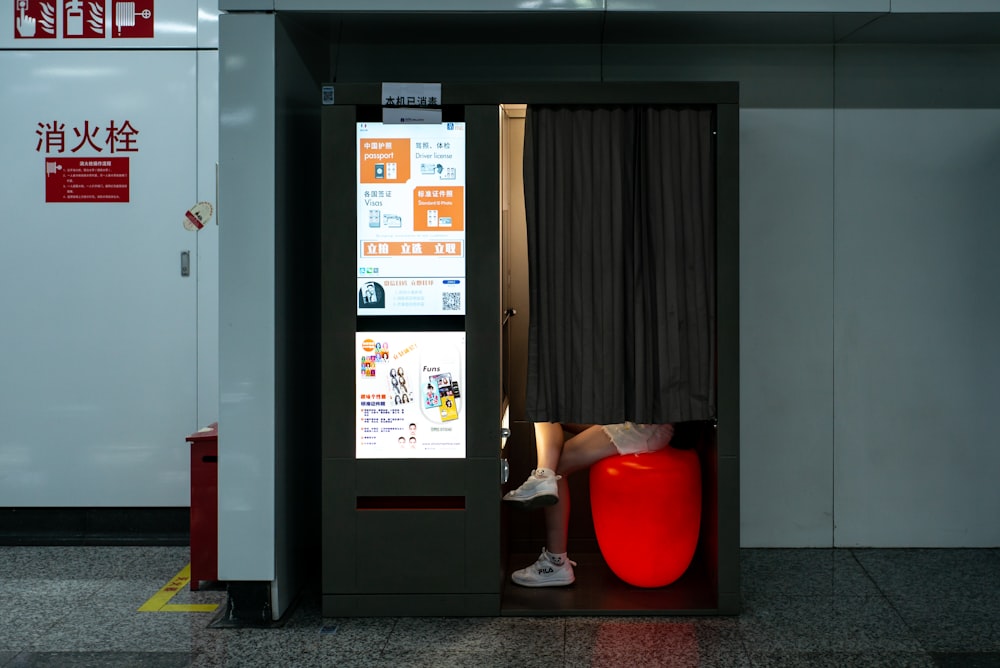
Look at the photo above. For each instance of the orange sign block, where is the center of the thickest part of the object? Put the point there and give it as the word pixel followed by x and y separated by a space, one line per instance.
pixel 411 249
pixel 439 209
pixel 385 160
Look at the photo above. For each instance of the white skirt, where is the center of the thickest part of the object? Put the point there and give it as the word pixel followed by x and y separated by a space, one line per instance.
pixel 631 438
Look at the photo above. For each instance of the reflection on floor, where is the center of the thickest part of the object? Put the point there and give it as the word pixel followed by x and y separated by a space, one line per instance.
pixel 78 606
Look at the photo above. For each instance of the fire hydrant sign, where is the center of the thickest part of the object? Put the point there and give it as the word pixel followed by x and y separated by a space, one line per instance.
pixel 83 19
pixel 87 180
pixel 86 160
pixel 409 395
pixel 411 219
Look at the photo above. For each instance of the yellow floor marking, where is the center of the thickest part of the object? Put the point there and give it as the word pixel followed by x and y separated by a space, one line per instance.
pixel 160 601
pixel 190 607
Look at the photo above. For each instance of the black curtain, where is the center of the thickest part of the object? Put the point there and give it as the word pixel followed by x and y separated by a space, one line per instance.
pixel 620 205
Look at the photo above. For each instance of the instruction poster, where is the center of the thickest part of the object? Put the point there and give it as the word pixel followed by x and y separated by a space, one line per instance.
pixel 411 219
pixel 409 392
pixel 87 180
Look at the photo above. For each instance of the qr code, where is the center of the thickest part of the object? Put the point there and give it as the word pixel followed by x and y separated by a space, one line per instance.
pixel 451 301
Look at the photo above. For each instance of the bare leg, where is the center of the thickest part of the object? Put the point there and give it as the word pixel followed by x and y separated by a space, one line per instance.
pixel 548 444
pixel 588 446
pixel 541 489
pixel 557 520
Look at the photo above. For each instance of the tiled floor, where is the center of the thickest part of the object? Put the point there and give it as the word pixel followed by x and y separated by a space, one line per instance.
pixel 78 606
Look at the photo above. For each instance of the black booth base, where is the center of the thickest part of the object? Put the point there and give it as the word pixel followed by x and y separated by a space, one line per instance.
pixel 598 591
pixel 410 605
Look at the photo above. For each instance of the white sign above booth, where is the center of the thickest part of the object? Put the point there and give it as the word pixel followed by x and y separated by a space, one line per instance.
pixel 411 94
pixel 411 103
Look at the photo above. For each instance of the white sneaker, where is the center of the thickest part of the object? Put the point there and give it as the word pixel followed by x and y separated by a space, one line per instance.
pixel 545 573
pixel 537 491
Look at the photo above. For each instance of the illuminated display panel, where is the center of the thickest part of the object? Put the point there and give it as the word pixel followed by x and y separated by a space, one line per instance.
pixel 409 394
pixel 411 219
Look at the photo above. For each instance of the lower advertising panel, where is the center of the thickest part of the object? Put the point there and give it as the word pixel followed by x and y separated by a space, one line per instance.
pixel 409 395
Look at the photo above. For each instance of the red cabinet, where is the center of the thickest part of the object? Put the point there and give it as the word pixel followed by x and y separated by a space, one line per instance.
pixel 204 505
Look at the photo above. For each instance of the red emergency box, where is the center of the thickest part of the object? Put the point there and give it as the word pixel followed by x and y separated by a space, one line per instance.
pixel 204 505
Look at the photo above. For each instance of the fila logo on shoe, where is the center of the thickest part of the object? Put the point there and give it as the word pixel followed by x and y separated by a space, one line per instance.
pixel 548 569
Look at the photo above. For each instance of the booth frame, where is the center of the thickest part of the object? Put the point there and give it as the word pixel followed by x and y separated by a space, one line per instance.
pixel 433 541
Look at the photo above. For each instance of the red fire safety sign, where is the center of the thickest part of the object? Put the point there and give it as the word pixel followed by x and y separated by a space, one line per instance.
pixel 74 19
pixel 86 179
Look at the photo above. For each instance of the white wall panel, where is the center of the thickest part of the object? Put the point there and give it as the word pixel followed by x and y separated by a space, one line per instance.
pixel 208 24
pixel 208 238
pixel 247 298
pixel 99 330
pixel 104 24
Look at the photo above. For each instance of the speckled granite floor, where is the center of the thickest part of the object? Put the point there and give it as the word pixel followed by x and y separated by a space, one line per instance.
pixel 78 606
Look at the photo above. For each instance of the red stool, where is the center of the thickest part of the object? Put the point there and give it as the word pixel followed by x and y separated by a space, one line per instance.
pixel 647 514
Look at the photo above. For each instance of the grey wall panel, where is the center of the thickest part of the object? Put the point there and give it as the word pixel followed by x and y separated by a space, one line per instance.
pixel 770 77
pixel 918 76
pixel 943 6
pixel 246 5
pixel 246 294
pixel 709 6
pixel 732 28
pixel 786 284
pixel 438 5
pixel 949 29
pixel 472 63
pixel 916 315
pixel 705 6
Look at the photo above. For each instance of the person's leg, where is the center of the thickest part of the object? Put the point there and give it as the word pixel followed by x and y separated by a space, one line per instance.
pixel 541 489
pixel 574 428
pixel 555 459
pixel 557 520
pixel 590 445
pixel 554 568
pixel 548 444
